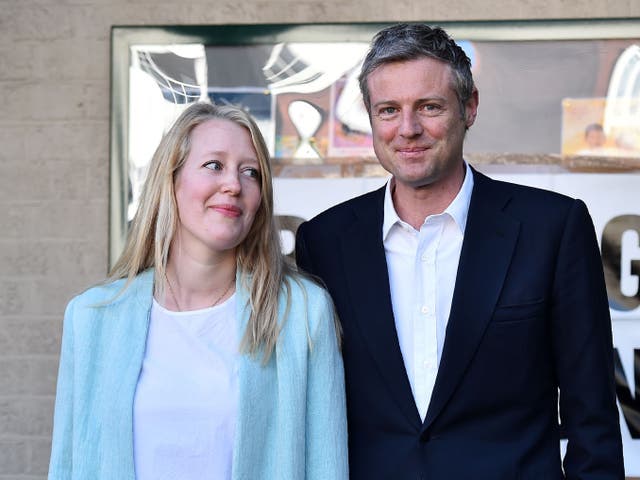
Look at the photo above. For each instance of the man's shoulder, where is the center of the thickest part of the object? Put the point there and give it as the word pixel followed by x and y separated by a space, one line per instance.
pixel 524 195
pixel 349 209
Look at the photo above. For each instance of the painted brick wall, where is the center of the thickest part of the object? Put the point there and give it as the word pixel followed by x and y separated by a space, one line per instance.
pixel 54 163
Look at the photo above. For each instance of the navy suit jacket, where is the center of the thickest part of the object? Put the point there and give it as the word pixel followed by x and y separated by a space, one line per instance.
pixel 529 317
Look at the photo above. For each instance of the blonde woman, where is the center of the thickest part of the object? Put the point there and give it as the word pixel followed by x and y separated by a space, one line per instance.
pixel 203 355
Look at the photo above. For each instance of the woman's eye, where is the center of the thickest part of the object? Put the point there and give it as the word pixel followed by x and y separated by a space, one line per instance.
pixel 251 172
pixel 213 165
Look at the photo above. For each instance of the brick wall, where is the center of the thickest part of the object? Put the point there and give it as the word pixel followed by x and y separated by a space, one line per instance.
pixel 54 163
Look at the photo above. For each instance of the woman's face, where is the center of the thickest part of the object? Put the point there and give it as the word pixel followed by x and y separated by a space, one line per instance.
pixel 217 189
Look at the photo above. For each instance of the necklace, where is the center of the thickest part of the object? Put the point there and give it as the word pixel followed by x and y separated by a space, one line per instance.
pixel 175 299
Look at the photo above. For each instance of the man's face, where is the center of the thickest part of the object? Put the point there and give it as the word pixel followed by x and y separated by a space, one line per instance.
pixel 418 129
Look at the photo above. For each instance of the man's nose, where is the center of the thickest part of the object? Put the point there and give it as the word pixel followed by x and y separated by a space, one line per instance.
pixel 410 125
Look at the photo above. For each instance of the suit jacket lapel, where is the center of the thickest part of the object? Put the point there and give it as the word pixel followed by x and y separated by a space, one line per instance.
pixel 489 241
pixel 368 283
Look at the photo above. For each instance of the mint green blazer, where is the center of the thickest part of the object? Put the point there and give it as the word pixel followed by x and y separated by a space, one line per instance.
pixel 291 422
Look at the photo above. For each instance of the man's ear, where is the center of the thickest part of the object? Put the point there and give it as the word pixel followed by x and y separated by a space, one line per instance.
pixel 471 108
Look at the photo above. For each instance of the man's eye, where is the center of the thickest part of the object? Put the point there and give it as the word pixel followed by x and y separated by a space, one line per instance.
pixel 430 108
pixel 387 111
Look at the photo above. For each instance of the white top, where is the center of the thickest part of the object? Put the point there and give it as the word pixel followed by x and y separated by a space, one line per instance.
pixel 422 275
pixel 186 401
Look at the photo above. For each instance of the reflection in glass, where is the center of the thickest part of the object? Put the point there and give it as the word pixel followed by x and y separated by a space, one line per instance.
pixel 539 97
pixel 622 113
pixel 306 119
pixel 163 81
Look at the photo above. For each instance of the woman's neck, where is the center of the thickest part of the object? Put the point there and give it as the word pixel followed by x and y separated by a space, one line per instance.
pixel 192 284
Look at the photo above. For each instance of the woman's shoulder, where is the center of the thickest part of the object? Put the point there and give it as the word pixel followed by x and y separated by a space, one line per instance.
pixel 307 289
pixel 311 302
pixel 99 293
pixel 111 291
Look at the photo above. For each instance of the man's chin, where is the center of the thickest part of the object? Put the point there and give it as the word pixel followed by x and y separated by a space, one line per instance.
pixel 417 182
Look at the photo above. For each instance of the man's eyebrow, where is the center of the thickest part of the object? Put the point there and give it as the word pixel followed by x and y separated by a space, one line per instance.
pixel 384 102
pixel 438 98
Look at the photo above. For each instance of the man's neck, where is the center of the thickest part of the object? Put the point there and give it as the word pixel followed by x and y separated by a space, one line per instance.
pixel 414 204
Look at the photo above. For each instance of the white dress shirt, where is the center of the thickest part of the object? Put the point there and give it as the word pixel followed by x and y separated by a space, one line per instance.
pixel 422 268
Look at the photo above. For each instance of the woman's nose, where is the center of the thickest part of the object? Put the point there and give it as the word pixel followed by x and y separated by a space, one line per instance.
pixel 231 182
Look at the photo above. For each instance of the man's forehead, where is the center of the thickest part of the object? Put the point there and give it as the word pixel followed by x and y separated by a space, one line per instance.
pixel 425 65
pixel 428 75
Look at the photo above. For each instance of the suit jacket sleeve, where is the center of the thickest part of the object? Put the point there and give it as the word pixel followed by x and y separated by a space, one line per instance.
pixel 582 338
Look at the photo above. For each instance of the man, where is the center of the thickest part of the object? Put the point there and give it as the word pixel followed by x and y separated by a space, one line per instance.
pixel 466 303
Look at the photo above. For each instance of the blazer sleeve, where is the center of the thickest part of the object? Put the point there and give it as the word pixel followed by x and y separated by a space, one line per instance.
pixel 60 465
pixel 326 421
pixel 583 349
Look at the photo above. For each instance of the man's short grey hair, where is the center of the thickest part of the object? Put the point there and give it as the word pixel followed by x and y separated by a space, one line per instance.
pixel 403 42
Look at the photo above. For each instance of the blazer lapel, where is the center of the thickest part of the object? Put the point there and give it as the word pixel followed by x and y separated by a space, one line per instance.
pixel 368 283
pixel 489 241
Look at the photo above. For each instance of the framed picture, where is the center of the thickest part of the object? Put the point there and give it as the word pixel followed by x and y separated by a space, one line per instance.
pixel 541 84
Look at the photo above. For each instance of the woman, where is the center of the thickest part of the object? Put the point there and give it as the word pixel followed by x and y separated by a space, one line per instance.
pixel 203 355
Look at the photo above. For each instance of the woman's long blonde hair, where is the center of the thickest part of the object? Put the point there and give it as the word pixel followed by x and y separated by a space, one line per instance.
pixel 261 264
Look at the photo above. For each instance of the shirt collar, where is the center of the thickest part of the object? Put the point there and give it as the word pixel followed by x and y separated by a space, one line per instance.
pixel 458 209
